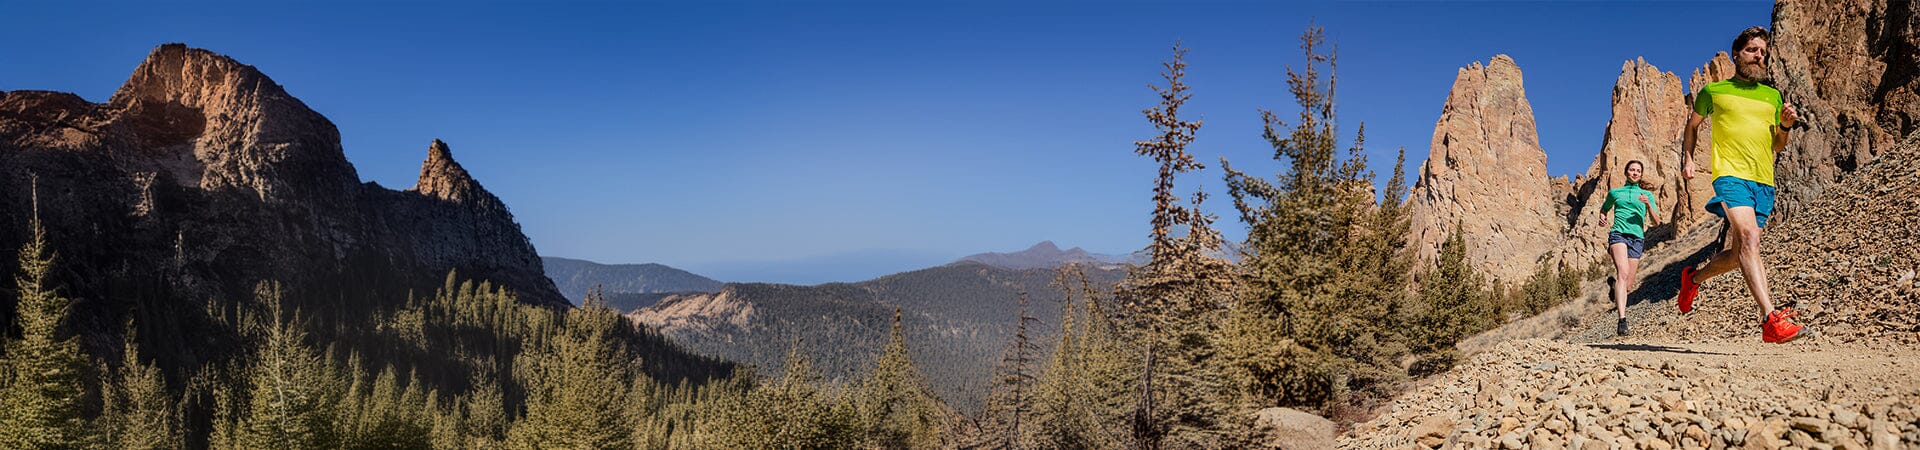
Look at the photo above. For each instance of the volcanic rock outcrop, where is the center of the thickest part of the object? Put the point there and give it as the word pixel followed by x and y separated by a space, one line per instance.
pixel 1488 174
pixel 201 177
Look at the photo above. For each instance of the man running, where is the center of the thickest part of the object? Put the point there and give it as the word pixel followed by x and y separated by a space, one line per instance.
pixel 1633 212
pixel 1750 124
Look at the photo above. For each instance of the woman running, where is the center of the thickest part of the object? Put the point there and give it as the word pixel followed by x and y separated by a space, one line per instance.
pixel 1633 212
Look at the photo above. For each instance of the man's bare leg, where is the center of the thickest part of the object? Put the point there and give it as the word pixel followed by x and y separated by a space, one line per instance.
pixel 1742 251
pixel 1755 270
pixel 1726 260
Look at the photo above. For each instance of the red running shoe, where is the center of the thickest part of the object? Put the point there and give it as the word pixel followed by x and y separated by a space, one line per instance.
pixel 1688 290
pixel 1777 329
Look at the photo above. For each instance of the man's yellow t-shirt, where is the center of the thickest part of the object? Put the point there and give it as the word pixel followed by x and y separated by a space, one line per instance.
pixel 1744 115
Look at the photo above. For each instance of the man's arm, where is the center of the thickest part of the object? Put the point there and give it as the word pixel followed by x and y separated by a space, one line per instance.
pixel 1687 142
pixel 1780 133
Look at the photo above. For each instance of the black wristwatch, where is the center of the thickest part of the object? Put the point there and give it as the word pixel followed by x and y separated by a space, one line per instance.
pixel 1783 126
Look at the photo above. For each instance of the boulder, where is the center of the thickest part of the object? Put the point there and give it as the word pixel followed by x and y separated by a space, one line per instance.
pixel 1287 428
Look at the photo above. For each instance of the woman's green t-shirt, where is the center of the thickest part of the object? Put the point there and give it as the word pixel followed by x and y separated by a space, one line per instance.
pixel 1629 213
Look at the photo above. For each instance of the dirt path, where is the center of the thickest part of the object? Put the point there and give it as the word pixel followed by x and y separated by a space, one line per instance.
pixel 1863 375
pixel 1628 394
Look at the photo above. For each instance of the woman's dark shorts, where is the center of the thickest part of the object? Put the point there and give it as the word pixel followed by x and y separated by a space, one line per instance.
pixel 1635 244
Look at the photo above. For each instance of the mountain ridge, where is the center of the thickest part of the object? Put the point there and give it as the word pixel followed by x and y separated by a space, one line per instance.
pixel 574 277
pixel 959 316
pixel 1043 255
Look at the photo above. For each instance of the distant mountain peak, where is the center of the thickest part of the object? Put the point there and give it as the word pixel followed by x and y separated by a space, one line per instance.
pixel 1045 246
pixel 1041 255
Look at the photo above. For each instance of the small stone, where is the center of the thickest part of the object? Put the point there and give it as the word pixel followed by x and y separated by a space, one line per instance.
pixel 1799 438
pixel 1847 417
pixel 1436 426
pixel 1671 400
pixel 1766 435
pixel 1882 435
pixel 1544 439
pixel 1512 440
pixel 1617 405
pixel 1557 426
pixel 1508 424
pixel 1809 424
pixel 1696 433
pixel 1639 424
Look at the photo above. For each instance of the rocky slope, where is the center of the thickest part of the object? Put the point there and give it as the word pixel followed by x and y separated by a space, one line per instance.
pixel 201 177
pixel 1849 67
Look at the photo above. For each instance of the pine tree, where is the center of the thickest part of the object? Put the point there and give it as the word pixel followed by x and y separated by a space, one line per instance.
pixel 1107 369
pixel 138 413
pixel 1010 400
pixel 286 384
pixel 389 417
pixel 793 413
pixel 484 413
pixel 1056 421
pixel 1086 392
pixel 40 404
pixel 1457 297
pixel 900 411
pixel 577 383
pixel 1179 297
pixel 1325 265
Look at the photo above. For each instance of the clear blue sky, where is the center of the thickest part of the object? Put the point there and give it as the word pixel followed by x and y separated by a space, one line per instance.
pixel 808 141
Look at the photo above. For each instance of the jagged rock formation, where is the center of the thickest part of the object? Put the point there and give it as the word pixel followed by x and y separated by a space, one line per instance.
pixel 1849 67
pixel 451 221
pixel 1487 173
pixel 1649 116
pixel 442 178
pixel 201 177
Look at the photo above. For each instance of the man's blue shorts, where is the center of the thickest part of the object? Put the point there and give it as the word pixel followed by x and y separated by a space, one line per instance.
pixel 1735 192
pixel 1635 245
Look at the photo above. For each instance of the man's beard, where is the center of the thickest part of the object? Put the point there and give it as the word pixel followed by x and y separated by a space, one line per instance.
pixel 1751 71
